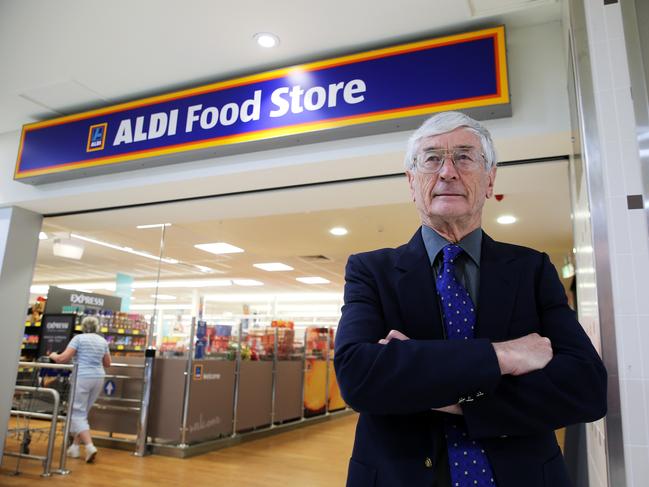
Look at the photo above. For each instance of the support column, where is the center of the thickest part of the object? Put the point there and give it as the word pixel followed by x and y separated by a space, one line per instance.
pixel 18 247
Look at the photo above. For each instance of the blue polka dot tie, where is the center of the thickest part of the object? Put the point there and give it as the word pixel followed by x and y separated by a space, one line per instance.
pixel 468 463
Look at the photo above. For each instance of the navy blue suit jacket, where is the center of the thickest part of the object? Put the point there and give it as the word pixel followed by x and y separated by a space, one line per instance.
pixel 394 386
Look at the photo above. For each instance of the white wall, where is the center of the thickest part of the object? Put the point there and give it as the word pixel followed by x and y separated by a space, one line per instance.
pixel 627 230
pixel 539 127
pixel 18 245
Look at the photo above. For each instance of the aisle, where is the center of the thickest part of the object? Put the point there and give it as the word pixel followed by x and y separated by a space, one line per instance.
pixel 313 456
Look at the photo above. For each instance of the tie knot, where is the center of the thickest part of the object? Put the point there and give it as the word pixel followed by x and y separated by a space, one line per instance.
pixel 451 251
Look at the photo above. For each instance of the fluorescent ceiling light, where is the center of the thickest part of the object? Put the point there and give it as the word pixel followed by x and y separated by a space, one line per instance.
pixel 185 283
pixel 67 248
pixel 154 225
pixel 42 236
pixel 39 289
pixel 205 269
pixel 90 286
pixel 144 307
pixel 313 280
pixel 124 249
pixel 329 308
pixel 266 39
pixel 281 297
pixel 219 248
pixel 338 231
pixel 273 266
pixel 506 219
pixel 247 282
pixel 164 297
pixel 149 284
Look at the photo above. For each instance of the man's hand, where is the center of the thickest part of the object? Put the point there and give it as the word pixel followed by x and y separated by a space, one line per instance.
pixel 523 355
pixel 397 335
pixel 452 409
pixel 394 334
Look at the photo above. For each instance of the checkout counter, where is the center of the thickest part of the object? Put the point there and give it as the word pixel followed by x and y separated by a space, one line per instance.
pixel 227 384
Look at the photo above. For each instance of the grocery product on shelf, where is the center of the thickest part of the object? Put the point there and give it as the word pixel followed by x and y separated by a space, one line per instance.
pixel 31 337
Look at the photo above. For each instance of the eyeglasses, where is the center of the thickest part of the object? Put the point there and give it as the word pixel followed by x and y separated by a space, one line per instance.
pixel 432 161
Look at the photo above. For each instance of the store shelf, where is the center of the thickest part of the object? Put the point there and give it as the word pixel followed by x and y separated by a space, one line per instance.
pixel 124 348
pixel 122 331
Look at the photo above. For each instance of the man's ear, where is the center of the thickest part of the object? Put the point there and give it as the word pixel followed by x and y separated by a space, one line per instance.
pixel 492 181
pixel 411 183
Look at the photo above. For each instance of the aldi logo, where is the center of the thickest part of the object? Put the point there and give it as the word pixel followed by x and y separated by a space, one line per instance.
pixel 198 372
pixel 97 137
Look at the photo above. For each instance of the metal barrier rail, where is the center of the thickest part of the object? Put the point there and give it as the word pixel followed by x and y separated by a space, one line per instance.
pixel 54 417
pixel 142 408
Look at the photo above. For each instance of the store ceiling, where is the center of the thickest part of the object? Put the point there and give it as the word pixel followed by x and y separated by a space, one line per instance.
pixel 68 56
pixel 377 213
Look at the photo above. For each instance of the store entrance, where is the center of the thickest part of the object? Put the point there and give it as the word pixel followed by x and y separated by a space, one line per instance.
pixel 240 296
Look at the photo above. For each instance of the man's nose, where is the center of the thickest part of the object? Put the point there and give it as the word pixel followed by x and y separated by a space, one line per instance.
pixel 448 170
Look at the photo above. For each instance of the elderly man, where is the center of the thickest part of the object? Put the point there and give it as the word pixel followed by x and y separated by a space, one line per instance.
pixel 460 353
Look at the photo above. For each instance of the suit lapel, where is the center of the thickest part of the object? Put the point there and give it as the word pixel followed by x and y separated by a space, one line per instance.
pixel 416 291
pixel 498 283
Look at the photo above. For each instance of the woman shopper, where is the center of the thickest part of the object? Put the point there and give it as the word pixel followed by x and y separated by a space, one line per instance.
pixel 89 351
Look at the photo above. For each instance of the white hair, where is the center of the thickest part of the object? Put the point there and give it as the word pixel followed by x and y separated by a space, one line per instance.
pixel 90 324
pixel 442 123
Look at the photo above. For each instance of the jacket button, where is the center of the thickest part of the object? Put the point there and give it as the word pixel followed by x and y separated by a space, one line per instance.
pixel 428 462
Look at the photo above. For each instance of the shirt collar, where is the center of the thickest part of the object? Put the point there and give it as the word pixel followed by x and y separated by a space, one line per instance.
pixel 434 243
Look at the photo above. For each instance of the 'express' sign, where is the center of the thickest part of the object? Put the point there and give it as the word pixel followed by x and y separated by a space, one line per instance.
pixel 83 299
pixel 374 91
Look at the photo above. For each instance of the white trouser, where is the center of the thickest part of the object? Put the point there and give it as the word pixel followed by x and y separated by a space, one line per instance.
pixel 88 389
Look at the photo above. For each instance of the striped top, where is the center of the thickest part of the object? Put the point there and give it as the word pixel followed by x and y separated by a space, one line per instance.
pixel 91 349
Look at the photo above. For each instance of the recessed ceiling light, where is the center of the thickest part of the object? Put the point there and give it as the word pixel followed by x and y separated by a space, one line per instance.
pixel 313 280
pixel 338 231
pixel 506 219
pixel 164 297
pixel 42 236
pixel 266 39
pixel 247 282
pixel 154 225
pixel 219 248
pixel 273 266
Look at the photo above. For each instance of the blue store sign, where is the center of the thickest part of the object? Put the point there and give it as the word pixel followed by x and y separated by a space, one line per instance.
pixel 371 92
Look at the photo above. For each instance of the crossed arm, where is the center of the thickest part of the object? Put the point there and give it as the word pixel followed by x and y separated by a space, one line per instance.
pixel 528 385
pixel 515 357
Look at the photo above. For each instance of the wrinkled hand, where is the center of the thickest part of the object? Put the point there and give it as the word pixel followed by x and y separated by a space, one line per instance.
pixel 452 409
pixel 397 335
pixel 523 355
pixel 394 334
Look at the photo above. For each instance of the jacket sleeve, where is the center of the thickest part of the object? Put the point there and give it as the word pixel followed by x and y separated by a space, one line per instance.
pixel 401 377
pixel 570 389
